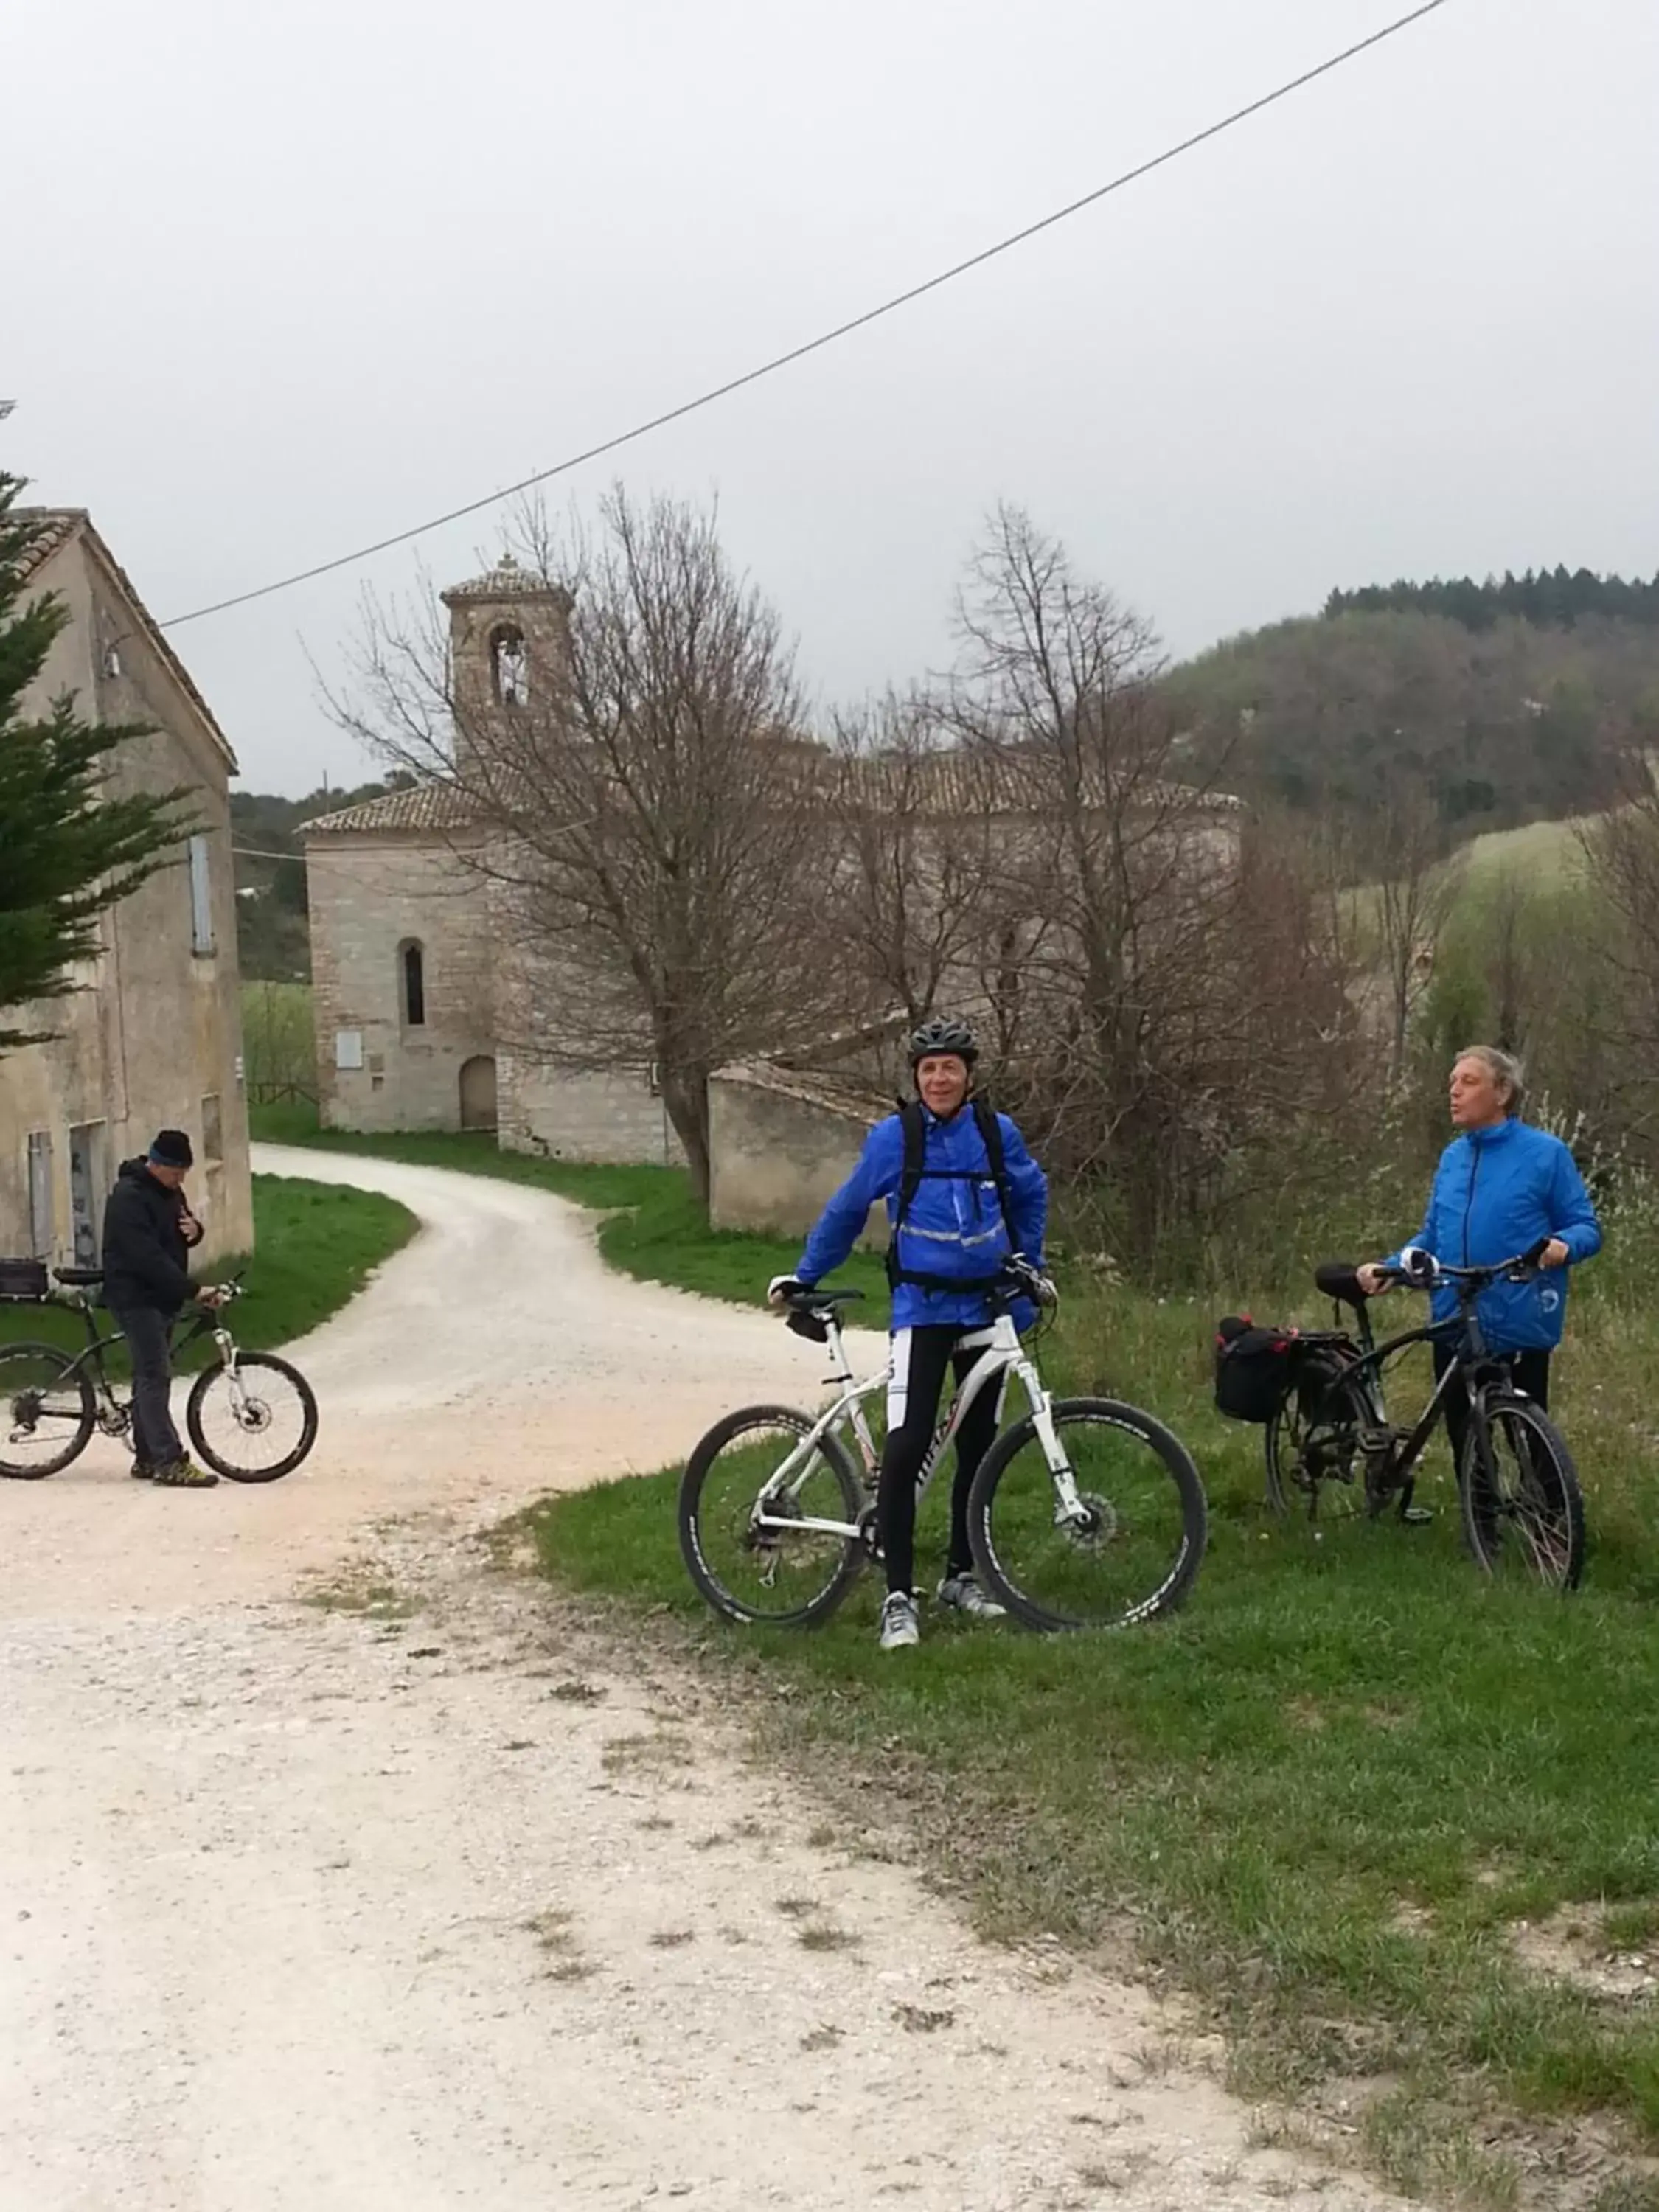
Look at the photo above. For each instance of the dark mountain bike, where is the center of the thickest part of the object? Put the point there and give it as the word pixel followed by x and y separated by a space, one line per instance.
pixel 251 1416
pixel 1331 1441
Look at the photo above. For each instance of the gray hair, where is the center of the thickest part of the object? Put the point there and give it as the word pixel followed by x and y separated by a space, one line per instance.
pixel 1505 1069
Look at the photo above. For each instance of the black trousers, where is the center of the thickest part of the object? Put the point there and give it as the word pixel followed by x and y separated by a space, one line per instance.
pixel 149 1342
pixel 1531 1371
pixel 922 1359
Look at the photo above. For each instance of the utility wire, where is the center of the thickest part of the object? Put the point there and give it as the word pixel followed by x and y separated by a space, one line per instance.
pixel 827 338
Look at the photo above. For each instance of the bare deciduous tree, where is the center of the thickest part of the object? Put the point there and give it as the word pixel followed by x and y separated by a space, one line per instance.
pixel 916 818
pixel 1118 876
pixel 1416 889
pixel 637 799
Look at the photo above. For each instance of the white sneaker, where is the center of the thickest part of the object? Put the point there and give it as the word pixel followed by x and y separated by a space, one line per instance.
pixel 963 1594
pixel 899 1626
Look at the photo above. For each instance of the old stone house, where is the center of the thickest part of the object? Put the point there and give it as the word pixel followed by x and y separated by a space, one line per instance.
pixel 152 1038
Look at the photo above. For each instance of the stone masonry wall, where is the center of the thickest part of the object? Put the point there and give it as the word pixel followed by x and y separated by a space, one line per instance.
pixel 780 1146
pixel 370 897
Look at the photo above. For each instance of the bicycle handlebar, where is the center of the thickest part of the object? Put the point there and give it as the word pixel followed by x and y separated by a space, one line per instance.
pixel 1520 1268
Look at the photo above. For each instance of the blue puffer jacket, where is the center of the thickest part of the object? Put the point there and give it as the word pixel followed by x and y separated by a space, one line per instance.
pixel 1495 1193
pixel 954 1228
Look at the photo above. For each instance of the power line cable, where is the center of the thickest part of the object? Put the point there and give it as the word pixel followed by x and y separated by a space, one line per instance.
pixel 827 337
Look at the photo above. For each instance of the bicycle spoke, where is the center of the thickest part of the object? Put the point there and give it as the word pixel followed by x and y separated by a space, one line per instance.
pixel 752 1533
pixel 1123 1555
pixel 43 1410
pixel 253 1422
pixel 1522 1512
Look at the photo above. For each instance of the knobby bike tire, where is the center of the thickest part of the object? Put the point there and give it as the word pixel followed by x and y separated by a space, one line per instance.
pixel 49 1355
pixel 198 1394
pixel 1170 1592
pixel 704 1456
pixel 1480 1534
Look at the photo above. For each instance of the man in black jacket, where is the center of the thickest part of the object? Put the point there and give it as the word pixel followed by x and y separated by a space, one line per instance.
pixel 148 1229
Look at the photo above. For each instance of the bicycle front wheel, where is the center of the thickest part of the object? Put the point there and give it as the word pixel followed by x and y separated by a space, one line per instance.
pixel 1523 1514
pixel 1135 1543
pixel 254 1424
pixel 736 1516
pixel 46 1411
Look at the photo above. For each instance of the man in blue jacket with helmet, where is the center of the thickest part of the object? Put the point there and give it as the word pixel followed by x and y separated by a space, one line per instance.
pixel 963 1196
pixel 1500 1187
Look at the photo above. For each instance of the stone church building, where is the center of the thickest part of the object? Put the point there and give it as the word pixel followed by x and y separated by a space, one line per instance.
pixel 412 972
pixel 420 990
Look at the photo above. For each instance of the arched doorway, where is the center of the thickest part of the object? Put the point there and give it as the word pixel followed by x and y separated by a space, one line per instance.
pixel 478 1092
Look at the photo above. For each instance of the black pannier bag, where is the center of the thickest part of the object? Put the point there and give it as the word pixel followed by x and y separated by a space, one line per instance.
pixel 22 1282
pixel 1255 1369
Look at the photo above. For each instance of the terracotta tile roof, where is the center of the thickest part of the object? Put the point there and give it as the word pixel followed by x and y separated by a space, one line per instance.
pixel 955 781
pixel 432 807
pixel 57 526
pixel 507 581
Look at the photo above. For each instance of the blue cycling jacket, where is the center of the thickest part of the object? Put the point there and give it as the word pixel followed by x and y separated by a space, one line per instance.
pixel 954 1227
pixel 1495 1193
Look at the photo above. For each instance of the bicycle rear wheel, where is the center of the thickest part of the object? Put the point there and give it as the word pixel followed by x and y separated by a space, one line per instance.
pixel 1135 1547
pixel 786 1578
pixel 1523 1514
pixel 47 1411
pixel 257 1426
pixel 1312 1450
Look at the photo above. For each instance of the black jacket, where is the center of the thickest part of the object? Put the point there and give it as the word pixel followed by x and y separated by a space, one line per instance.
pixel 144 1248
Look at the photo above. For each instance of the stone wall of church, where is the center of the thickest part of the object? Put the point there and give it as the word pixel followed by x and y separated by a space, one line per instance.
pixel 781 1144
pixel 371 898
pixel 613 1115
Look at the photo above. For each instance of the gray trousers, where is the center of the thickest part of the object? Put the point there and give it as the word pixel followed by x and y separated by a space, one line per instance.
pixel 154 1439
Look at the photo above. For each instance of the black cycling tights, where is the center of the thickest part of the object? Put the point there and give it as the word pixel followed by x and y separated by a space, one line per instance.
pixel 922 1358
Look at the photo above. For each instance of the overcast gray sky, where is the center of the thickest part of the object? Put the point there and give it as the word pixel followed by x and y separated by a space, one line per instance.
pixel 278 280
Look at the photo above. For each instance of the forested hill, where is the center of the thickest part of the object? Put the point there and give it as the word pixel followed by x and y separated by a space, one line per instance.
pixel 1547 597
pixel 1497 720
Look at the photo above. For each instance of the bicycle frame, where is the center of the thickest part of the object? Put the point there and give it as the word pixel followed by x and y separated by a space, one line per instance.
pixel 114 1416
pixel 1003 1356
pixel 1364 1375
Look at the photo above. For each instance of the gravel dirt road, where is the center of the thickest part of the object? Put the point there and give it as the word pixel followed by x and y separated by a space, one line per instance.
pixel 420 1899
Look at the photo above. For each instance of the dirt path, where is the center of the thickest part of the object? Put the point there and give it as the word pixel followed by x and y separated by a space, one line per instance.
pixel 305 1910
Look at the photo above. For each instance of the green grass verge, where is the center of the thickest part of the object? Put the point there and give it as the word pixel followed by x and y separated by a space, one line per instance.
pixel 1327 1796
pixel 655 1230
pixel 315 1245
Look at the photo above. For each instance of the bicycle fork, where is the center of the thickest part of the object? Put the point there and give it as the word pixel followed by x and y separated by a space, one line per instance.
pixel 1070 1511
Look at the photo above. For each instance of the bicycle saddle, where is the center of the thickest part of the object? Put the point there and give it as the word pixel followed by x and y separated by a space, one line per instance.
pixel 1338 1280
pixel 77 1278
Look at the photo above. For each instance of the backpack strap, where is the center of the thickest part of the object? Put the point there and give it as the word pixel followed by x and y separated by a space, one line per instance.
pixel 913 1126
pixel 990 1131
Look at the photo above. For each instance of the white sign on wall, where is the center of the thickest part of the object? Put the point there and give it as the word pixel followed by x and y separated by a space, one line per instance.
pixel 347 1048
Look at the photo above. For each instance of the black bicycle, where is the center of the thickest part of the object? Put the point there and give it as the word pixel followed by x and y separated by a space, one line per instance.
pixel 1331 1440
pixel 251 1415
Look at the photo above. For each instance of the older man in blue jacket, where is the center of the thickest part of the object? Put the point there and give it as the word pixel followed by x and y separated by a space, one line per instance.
pixel 1500 1187
pixel 949 1243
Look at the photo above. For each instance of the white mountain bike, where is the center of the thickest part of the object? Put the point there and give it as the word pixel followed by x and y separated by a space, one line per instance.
pixel 1085 1514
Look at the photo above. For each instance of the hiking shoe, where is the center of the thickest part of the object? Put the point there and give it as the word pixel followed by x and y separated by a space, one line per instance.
pixel 185 1474
pixel 142 1471
pixel 899 1626
pixel 963 1594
